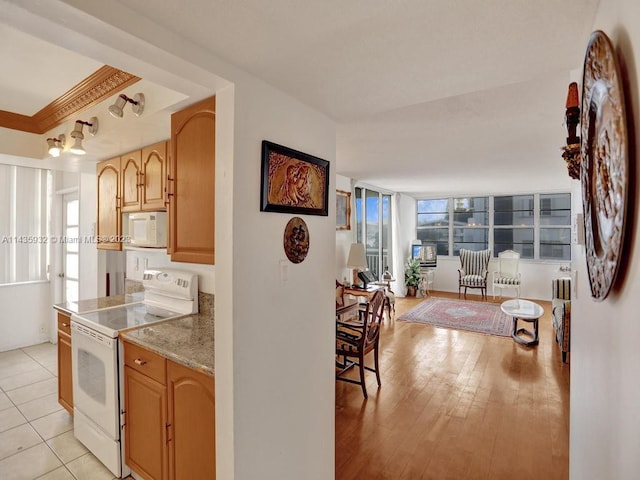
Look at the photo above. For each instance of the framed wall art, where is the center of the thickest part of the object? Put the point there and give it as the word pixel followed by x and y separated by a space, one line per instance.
pixel 605 163
pixel 343 210
pixel 293 182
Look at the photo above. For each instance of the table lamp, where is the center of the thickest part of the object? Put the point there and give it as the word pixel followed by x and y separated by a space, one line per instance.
pixel 357 260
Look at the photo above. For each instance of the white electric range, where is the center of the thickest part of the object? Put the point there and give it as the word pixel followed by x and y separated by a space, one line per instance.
pixel 98 360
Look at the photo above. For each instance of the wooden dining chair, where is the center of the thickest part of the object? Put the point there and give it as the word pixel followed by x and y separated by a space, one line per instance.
pixel 355 340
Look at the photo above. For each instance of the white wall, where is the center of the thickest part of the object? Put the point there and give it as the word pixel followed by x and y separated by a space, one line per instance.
pixel 605 357
pixel 24 315
pixel 282 334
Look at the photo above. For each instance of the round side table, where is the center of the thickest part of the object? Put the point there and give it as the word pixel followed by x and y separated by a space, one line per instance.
pixel 527 311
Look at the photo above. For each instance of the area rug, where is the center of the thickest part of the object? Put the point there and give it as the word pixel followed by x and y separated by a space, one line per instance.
pixel 480 317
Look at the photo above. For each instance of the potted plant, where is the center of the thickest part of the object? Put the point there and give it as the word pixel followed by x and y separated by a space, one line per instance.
pixel 412 276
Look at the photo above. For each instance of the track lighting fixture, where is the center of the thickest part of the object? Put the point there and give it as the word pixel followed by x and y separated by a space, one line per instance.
pixel 78 136
pixel 56 145
pixel 137 105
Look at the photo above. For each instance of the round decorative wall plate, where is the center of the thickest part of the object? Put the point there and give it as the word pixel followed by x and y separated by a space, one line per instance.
pixel 604 171
pixel 296 240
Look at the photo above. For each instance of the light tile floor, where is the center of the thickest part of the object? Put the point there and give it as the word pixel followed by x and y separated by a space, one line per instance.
pixel 36 433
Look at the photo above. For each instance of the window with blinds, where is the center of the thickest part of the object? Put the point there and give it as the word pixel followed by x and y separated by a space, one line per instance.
pixel 24 221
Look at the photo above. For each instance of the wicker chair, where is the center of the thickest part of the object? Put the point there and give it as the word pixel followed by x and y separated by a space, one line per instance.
pixel 356 340
pixel 473 271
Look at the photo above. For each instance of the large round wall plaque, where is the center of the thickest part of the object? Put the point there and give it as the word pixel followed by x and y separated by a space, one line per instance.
pixel 604 168
pixel 296 240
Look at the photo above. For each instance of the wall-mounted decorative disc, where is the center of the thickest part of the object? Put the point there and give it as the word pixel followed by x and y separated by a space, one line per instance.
pixel 605 171
pixel 296 240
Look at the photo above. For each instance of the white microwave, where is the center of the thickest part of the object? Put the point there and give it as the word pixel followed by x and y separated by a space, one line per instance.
pixel 148 229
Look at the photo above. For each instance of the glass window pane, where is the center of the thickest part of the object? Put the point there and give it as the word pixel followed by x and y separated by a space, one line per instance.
pixel 555 201
pixel 513 202
pixel 73 212
pixel 359 225
pixel 433 205
pixel 524 249
pixel 387 259
pixel 433 235
pixel 555 252
pixel 513 235
pixel 71 239
pixel 513 218
pixel 470 218
pixel 468 246
pixel 433 219
pixel 372 240
pixel 555 217
pixel 471 203
pixel 71 290
pixel 471 235
pixel 555 235
pixel 71 268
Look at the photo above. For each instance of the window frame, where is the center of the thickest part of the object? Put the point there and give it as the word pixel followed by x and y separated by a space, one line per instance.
pixel 360 203
pixel 536 226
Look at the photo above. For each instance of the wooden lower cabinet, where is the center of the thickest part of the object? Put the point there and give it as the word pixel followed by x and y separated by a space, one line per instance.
pixel 145 427
pixel 192 424
pixel 65 383
pixel 169 422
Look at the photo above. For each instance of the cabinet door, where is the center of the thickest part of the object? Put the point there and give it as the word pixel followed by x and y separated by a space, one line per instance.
pixel 192 452
pixel 192 205
pixel 152 176
pixel 65 384
pixel 145 429
pixel 131 180
pixel 109 227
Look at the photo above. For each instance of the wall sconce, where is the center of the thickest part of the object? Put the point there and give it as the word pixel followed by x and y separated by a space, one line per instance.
pixel 571 153
pixel 56 145
pixel 77 135
pixel 137 105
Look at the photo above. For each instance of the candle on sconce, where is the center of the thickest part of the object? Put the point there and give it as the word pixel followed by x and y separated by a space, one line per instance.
pixel 572 95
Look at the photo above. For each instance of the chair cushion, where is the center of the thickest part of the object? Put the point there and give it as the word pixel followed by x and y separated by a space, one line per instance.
pixel 561 288
pixel 472 281
pixel 507 280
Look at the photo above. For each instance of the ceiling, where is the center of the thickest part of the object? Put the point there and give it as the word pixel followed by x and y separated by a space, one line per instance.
pixel 430 96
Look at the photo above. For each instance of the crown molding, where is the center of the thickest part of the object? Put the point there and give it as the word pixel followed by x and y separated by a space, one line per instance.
pixel 101 84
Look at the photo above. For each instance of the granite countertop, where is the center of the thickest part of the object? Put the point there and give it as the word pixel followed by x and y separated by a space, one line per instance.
pixel 82 306
pixel 186 340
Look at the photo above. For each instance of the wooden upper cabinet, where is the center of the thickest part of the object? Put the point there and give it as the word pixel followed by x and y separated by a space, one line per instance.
pixel 109 225
pixel 191 187
pixel 153 176
pixel 130 178
pixel 143 176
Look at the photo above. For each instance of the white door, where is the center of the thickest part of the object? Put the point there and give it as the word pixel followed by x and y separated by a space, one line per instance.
pixel 70 247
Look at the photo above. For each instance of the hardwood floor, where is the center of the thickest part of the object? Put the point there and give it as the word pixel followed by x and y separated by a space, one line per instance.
pixel 456 405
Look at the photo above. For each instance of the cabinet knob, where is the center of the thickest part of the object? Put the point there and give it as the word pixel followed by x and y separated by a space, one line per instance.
pixel 139 361
pixel 65 325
